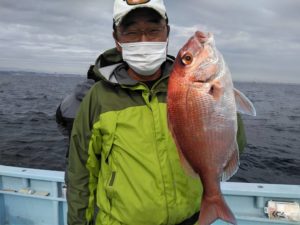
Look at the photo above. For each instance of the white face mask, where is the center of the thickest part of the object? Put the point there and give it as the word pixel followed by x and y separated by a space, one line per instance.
pixel 145 58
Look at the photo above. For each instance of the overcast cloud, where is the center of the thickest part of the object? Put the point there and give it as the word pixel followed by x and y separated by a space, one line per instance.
pixel 260 39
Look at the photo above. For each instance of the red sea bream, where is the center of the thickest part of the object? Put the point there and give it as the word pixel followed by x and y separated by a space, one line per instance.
pixel 202 109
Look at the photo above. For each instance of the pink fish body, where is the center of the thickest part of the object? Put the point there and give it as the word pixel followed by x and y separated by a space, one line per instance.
pixel 202 116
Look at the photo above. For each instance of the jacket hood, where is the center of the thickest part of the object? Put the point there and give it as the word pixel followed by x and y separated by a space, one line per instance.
pixel 106 63
pixel 108 58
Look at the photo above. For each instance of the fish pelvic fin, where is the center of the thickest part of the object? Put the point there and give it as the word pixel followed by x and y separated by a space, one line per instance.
pixel 243 104
pixel 232 165
pixel 213 208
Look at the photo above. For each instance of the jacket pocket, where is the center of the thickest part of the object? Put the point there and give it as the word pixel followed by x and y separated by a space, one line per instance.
pixel 108 123
pixel 108 128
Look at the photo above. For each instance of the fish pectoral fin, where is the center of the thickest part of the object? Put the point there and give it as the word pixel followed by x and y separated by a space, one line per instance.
pixel 243 104
pixel 233 164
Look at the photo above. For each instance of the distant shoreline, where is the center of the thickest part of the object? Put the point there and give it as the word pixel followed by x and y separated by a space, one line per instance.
pixel 31 73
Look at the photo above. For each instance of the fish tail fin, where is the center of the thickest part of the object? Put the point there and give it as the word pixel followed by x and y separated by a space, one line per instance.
pixel 213 209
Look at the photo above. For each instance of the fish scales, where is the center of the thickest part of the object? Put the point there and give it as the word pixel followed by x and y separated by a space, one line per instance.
pixel 203 121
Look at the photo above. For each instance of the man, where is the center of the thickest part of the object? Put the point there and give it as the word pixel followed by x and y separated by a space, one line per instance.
pixel 123 164
pixel 66 111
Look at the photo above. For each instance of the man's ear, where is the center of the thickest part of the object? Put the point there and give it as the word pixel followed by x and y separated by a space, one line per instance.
pixel 118 47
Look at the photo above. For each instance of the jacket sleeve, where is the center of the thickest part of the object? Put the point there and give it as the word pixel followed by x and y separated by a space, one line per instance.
pixel 241 136
pixel 69 106
pixel 64 124
pixel 83 165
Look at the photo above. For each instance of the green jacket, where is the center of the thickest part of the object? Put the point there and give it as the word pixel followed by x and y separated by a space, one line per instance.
pixel 123 163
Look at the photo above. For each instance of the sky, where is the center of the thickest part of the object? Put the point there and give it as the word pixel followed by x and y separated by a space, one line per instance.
pixel 259 39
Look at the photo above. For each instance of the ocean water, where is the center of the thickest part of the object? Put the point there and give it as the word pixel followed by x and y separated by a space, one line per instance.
pixel 29 136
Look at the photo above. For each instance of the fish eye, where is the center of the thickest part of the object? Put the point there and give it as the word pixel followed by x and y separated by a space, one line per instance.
pixel 187 58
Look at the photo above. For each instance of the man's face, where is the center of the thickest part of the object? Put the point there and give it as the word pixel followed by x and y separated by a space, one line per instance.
pixel 142 24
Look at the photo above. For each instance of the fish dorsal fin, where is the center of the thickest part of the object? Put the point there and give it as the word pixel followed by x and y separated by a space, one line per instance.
pixel 232 165
pixel 243 104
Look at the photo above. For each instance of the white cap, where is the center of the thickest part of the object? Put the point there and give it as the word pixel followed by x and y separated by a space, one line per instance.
pixel 121 8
